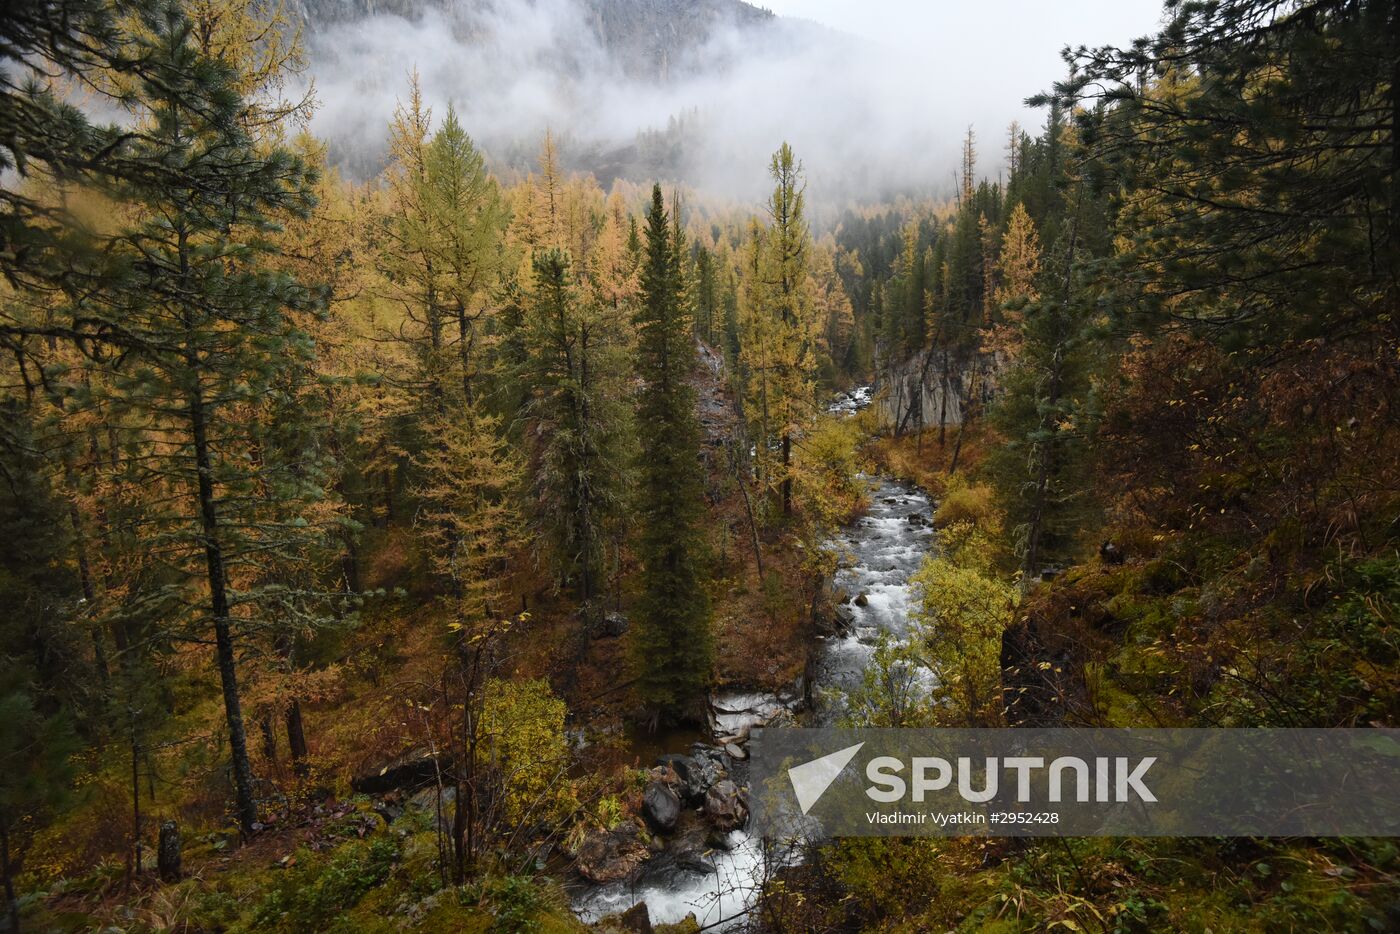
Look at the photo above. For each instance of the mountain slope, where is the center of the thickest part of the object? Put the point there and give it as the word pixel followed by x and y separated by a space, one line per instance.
pixel 648 39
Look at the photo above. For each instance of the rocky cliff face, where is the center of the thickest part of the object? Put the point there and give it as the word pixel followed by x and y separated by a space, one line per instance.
pixel 913 394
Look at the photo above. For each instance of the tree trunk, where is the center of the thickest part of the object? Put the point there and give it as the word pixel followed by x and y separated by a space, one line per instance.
pixel 269 739
pixel 464 814
pixel 1036 526
pixel 787 473
pixel 168 852
pixel 245 805
pixel 465 339
pixel 135 853
pixel 753 528
pixel 296 737
pixel 350 564
pixel 966 413
pixel 99 651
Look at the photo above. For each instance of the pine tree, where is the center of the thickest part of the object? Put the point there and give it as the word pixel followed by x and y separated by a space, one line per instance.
pixel 42 244
pixel 967 177
pixel 214 338
pixel 671 645
pixel 1252 208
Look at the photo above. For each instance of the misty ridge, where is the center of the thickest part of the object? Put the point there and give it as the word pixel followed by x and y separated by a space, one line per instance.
pixel 694 93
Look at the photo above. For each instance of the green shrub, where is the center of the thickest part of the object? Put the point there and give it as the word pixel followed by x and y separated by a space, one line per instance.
pixel 313 893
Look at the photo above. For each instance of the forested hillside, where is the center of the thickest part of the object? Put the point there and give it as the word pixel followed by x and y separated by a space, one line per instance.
pixel 416 552
pixel 646 37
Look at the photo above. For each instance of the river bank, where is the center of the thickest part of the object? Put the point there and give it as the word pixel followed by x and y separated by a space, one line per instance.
pixel 718 879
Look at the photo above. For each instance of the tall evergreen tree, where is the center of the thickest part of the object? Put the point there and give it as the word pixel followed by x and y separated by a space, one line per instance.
pixel 214 336
pixel 671 644
pixel 575 415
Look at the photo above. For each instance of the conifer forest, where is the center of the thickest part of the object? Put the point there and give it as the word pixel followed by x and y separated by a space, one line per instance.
pixel 420 473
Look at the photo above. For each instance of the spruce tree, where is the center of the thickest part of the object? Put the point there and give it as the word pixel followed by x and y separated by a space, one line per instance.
pixel 672 648
pixel 575 421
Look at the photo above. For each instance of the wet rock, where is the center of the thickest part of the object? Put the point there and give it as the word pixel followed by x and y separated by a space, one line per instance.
pixel 688 852
pixel 915 518
pixel 843 619
pixel 718 839
pixel 695 775
pixel 784 717
pixel 724 806
pixel 636 919
pixel 426 802
pixel 611 855
pixel 391 809
pixel 862 599
pixel 706 751
pixel 734 750
pixel 792 694
pixel 611 625
pixel 412 769
pixel 661 807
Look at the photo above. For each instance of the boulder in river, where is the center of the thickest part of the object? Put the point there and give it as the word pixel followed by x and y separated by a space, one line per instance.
pixel 661 807
pixel 695 775
pixel 862 599
pixel 844 618
pixel 636 919
pixel 725 807
pixel 718 839
pixel 611 855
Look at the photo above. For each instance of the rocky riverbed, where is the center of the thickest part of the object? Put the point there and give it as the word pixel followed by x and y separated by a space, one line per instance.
pixel 700 860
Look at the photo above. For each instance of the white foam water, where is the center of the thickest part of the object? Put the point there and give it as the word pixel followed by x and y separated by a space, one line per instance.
pixel 879 553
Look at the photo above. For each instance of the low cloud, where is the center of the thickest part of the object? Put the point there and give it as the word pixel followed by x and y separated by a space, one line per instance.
pixel 866 122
